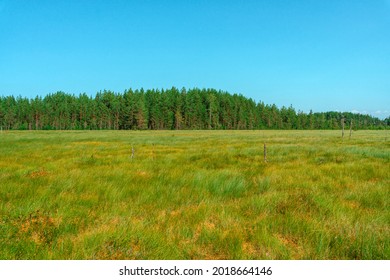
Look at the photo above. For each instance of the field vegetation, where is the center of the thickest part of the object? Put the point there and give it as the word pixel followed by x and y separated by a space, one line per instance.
pixel 194 195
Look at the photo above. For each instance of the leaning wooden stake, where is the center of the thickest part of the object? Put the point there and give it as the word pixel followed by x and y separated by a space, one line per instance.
pixel 342 125
pixel 265 153
pixel 350 130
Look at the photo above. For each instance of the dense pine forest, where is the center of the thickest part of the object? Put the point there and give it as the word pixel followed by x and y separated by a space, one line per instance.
pixel 166 109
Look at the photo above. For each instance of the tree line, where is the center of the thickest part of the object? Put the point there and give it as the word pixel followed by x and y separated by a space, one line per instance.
pixel 165 109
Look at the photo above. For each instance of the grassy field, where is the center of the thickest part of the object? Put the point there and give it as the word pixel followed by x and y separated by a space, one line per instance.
pixel 194 195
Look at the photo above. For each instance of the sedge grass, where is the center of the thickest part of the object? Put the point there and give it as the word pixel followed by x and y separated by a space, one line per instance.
pixel 194 195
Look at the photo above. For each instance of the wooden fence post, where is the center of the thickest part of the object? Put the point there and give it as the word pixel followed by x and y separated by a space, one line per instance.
pixel 342 126
pixel 265 152
pixel 350 130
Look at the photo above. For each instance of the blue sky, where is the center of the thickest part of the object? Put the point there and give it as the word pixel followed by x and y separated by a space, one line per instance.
pixel 320 55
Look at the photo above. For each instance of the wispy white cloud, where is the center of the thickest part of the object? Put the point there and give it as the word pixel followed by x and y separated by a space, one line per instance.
pixel 364 112
pixel 381 114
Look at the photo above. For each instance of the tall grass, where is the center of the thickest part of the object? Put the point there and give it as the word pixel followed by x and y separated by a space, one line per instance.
pixel 194 195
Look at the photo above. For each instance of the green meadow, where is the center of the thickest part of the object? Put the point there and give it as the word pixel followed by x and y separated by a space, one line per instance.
pixel 194 195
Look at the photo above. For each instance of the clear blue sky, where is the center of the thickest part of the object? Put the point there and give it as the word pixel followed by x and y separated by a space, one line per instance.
pixel 313 54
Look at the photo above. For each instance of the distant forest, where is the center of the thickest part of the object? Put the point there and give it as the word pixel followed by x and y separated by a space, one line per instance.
pixel 166 109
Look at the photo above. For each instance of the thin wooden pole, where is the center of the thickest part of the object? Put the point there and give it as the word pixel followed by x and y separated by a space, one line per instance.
pixel 350 130
pixel 342 125
pixel 265 152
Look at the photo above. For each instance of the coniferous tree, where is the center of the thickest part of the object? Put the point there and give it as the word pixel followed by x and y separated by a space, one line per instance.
pixel 165 109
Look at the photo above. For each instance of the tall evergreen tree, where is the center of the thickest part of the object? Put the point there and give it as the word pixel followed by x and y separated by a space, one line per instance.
pixel 165 109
